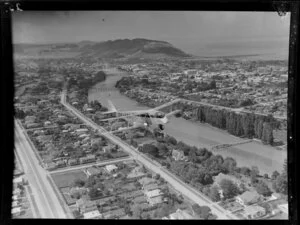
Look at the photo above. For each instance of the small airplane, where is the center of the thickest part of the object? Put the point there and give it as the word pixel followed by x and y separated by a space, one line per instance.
pixel 143 117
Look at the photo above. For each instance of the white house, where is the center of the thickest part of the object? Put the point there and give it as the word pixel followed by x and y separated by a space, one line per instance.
pixel 284 208
pixel 254 211
pixel 92 215
pixel 16 211
pixel 111 168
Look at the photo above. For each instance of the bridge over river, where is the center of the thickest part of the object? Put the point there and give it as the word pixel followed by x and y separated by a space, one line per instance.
pixel 223 146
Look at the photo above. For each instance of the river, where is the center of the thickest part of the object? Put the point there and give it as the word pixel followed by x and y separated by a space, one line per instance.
pixel 265 157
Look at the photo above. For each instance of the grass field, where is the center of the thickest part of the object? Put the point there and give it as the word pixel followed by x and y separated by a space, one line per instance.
pixel 67 179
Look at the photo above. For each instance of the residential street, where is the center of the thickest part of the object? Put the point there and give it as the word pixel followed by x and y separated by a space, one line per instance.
pixel 48 204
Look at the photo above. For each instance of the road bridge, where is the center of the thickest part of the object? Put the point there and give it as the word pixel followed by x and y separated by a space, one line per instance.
pixel 219 146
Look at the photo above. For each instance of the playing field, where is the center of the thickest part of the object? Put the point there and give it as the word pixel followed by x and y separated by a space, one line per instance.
pixel 67 179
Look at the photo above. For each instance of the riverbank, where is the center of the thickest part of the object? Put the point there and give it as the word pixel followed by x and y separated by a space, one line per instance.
pixel 266 158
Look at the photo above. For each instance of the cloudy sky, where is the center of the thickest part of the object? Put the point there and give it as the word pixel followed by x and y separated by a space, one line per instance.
pixel 189 31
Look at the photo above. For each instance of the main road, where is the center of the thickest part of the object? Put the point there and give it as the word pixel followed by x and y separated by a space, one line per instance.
pixel 46 199
pixel 179 185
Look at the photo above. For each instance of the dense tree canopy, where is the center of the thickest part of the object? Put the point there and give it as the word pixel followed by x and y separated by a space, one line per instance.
pixel 229 189
pixel 263 189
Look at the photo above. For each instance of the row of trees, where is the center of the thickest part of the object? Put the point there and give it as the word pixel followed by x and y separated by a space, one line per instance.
pixel 245 125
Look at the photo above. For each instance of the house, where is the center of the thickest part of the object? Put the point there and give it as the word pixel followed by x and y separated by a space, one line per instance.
pixel 47 123
pixel 110 168
pixel 81 131
pixel 149 187
pixel 135 172
pixel 154 196
pixel 16 211
pixel 87 159
pixel 84 205
pixel 155 200
pixel 107 148
pixel 18 172
pixel 274 196
pixel 153 193
pixel 15 204
pixel 77 191
pixel 248 198
pixel 18 180
pixel 284 208
pixel 83 135
pixel 114 214
pixel 146 180
pixel 92 171
pixel 254 211
pixel 72 162
pixel 180 215
pixel 15 198
pixel 50 166
pixel 38 132
pixel 17 191
pixel 178 155
pixel 139 199
pixel 60 164
pixel 126 217
pixel 95 214
pixel 32 125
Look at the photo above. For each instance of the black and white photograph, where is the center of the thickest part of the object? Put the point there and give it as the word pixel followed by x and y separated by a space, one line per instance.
pixel 150 115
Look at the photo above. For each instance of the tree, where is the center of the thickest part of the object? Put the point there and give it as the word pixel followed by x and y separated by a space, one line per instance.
pixel 229 165
pixel 203 211
pixel 79 183
pixel 206 191
pixel 165 210
pixel 171 140
pixel 275 174
pixel 253 174
pixel 263 189
pixel 245 171
pixel 150 149
pixel 285 167
pixel 214 194
pixel 267 133
pixel 93 193
pixel 267 207
pixel 242 187
pixel 230 189
pixel 281 184
pixel 162 149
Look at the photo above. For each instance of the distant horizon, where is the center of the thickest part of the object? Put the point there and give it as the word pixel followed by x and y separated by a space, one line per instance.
pixel 193 32
pixel 212 50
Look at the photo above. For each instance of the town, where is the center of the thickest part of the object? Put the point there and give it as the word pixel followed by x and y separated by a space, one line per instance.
pixel 95 162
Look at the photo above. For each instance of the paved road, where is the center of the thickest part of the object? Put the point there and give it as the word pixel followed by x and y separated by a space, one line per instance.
pixel 45 197
pixel 90 165
pixel 152 165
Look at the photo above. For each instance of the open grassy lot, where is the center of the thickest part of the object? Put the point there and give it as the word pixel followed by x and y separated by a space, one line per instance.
pixel 67 179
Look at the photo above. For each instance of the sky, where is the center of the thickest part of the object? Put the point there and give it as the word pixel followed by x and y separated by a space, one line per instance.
pixel 191 31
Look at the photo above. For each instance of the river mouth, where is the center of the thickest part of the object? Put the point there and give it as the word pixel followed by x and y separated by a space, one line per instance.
pixel 266 158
